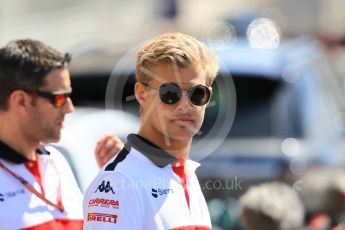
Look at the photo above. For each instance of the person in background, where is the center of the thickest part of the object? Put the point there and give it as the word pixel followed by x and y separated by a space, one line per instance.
pixel 273 206
pixel 38 189
pixel 323 193
pixel 151 184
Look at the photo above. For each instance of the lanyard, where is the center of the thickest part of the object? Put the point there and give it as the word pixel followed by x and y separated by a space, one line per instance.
pixel 31 188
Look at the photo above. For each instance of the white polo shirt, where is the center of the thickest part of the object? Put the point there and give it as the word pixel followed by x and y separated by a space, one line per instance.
pixel 139 189
pixel 49 175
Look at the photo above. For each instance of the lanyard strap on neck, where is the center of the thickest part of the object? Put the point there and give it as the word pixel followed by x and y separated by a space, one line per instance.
pixel 33 190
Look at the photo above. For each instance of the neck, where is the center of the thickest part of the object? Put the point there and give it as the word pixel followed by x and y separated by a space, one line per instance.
pixel 177 148
pixel 11 135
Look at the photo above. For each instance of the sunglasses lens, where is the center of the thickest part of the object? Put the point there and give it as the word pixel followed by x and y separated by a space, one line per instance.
pixel 170 93
pixel 60 100
pixel 199 95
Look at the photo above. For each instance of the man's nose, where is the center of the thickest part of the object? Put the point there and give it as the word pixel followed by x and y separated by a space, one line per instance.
pixel 68 107
pixel 184 104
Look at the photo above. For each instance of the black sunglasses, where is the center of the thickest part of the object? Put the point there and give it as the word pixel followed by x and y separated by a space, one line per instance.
pixel 57 98
pixel 170 93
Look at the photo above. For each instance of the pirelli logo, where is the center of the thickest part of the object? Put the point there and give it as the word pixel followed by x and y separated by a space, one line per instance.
pixel 102 217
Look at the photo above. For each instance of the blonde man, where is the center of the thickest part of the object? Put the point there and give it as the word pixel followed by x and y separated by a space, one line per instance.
pixel 150 184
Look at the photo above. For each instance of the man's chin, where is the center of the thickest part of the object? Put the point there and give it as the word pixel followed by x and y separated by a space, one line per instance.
pixel 52 139
pixel 185 135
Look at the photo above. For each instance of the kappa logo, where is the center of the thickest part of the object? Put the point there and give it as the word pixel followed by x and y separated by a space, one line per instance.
pixel 2 197
pixel 158 192
pixel 102 217
pixel 105 187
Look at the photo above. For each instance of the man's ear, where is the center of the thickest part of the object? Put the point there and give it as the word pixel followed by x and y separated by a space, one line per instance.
pixel 19 101
pixel 139 90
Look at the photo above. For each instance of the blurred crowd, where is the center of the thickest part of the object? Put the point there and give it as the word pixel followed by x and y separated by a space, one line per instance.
pixel 315 201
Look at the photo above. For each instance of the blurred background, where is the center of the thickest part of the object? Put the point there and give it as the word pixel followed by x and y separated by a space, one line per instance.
pixel 285 59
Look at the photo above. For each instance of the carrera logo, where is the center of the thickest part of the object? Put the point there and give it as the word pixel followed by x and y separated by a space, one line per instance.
pixel 105 203
pixel 158 192
pixel 105 187
pixel 102 217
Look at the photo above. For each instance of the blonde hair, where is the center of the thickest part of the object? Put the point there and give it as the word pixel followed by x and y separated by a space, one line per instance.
pixel 179 49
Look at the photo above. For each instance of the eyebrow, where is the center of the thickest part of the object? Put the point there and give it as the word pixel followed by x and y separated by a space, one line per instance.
pixel 69 90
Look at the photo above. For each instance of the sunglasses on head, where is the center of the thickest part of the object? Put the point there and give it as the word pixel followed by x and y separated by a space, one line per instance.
pixel 170 93
pixel 56 98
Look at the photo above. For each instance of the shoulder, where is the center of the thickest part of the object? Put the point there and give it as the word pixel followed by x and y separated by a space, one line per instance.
pixel 54 153
pixel 58 160
pixel 124 174
pixel 131 163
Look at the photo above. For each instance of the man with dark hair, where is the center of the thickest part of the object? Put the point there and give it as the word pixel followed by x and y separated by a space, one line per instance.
pixel 24 66
pixel 38 189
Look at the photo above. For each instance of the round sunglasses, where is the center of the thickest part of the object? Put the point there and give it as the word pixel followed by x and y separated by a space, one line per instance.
pixel 170 93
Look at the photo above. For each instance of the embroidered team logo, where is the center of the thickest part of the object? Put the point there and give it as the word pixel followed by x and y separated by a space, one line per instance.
pixel 102 217
pixel 104 203
pixel 158 192
pixel 105 187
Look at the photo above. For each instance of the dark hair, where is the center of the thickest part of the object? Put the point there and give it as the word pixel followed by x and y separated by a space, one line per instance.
pixel 24 64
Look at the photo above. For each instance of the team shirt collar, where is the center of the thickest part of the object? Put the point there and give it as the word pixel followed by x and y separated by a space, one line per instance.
pixel 11 155
pixel 154 153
